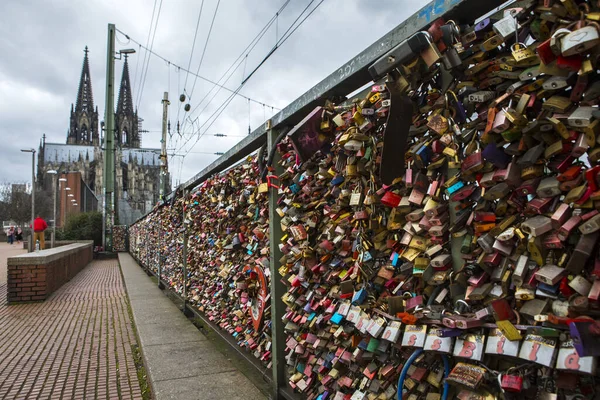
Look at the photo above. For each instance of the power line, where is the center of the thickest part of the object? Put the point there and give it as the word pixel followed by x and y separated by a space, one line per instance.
pixel 283 40
pixel 147 42
pixel 284 37
pixel 240 58
pixel 204 50
pixel 145 73
pixel 228 101
pixel 191 53
pixel 192 73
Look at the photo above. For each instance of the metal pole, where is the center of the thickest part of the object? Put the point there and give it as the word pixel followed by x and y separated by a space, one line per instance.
pixel 161 256
pixel 32 196
pixel 109 135
pixel 163 148
pixel 184 253
pixel 277 287
pixel 54 182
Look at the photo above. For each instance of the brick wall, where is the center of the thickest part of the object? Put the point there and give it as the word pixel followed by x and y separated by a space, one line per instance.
pixel 36 280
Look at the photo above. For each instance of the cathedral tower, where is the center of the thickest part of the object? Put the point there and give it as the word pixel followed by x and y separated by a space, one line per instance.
pixel 84 117
pixel 126 119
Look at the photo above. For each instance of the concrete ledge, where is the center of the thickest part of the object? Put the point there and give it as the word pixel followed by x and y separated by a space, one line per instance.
pixel 35 276
pixel 49 255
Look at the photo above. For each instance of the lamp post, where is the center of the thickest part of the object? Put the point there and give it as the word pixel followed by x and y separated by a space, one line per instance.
pixel 59 181
pixel 67 189
pixel 32 151
pixel 108 211
pixel 54 173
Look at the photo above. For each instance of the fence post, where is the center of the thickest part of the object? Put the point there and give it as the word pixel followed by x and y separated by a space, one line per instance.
pixel 184 252
pixel 161 257
pixel 277 287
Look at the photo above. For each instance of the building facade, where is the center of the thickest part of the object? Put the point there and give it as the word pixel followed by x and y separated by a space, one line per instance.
pixel 137 169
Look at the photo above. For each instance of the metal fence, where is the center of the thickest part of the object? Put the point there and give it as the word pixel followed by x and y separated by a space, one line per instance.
pixel 344 80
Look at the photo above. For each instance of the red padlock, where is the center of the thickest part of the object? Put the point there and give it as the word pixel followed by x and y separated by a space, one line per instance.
pixel 511 383
pixel 391 199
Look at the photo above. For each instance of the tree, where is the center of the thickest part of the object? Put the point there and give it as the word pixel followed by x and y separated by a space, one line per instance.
pixel 44 204
pixel 83 226
pixel 15 204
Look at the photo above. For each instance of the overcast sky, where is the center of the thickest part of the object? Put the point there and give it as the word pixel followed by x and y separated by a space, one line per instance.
pixel 42 42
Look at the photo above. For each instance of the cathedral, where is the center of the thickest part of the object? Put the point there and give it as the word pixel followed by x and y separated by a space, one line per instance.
pixel 137 169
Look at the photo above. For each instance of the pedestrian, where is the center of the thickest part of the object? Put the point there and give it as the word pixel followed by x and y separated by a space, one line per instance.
pixel 11 235
pixel 19 235
pixel 39 226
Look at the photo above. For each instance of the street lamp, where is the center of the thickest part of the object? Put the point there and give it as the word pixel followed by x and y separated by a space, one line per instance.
pixel 59 199
pixel 67 189
pixel 32 151
pixel 54 173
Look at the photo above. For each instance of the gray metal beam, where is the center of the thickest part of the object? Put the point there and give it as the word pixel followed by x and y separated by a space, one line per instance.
pixel 277 287
pixel 350 76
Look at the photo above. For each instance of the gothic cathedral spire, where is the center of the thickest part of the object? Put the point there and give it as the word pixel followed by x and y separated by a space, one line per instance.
pixel 84 118
pixel 126 119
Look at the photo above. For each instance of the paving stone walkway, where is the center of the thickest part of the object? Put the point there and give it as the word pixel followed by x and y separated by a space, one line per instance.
pixel 182 363
pixel 75 345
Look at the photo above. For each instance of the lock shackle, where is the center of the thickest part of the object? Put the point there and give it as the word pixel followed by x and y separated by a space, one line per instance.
pixel 500 382
pixel 512 47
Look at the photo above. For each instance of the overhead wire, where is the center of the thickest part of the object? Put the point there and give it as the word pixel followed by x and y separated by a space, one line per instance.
pixel 147 42
pixel 284 37
pixel 192 73
pixel 145 72
pixel 205 45
pixel 191 53
pixel 230 98
pixel 277 42
pixel 238 60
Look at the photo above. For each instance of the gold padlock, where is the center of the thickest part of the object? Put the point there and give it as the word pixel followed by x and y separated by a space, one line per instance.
pixel 522 54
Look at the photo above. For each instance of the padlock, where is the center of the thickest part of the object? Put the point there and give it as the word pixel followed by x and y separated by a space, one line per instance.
pixel 511 383
pixel 580 40
pixel 522 54
pixel 506 27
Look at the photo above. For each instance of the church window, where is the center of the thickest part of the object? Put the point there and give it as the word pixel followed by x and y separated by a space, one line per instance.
pixel 84 133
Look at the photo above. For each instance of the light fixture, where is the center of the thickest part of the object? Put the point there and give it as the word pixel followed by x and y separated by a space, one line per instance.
pixel 127 51
pixel 52 172
pixel 28 150
pixel 62 179
pixel 70 195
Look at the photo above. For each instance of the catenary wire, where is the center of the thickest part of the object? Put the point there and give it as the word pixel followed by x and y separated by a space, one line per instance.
pixel 192 73
pixel 205 45
pixel 145 72
pixel 240 58
pixel 191 53
pixel 228 100
pixel 147 42
pixel 284 37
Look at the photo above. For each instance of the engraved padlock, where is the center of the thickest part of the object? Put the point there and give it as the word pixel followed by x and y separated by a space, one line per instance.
pixel 522 54
pixel 580 41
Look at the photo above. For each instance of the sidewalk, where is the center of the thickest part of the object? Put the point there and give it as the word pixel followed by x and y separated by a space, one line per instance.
pixel 75 345
pixel 7 250
pixel 181 362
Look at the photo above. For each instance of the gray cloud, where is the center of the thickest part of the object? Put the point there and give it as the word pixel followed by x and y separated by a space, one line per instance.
pixel 42 45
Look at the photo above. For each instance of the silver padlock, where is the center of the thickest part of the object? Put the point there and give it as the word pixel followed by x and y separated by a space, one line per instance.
pixel 506 27
pixel 555 40
pixel 555 83
pixel 580 40
pixel 581 117
pixel 451 59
